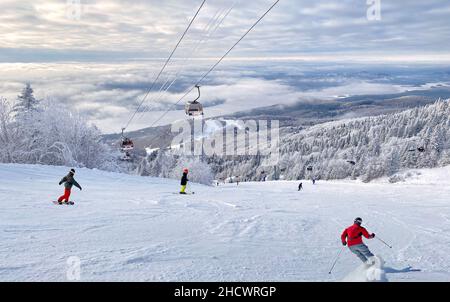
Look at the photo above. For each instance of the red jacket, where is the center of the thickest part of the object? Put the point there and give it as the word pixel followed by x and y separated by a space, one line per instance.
pixel 353 235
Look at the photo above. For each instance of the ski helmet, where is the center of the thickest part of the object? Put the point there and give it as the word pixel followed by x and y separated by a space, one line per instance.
pixel 358 220
pixel 72 171
pixel 185 170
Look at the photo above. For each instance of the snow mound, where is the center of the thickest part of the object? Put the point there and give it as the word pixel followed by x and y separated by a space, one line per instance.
pixel 425 176
pixel 368 273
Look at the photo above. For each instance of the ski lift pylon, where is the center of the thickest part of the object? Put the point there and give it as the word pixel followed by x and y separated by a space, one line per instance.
pixel 194 108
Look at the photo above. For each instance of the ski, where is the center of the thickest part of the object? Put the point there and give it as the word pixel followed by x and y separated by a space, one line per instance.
pixel 190 193
pixel 70 203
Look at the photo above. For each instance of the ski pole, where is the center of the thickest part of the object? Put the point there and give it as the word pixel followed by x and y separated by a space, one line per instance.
pixel 384 242
pixel 335 261
pixel 189 188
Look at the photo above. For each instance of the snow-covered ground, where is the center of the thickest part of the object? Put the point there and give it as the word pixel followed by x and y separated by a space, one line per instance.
pixel 130 228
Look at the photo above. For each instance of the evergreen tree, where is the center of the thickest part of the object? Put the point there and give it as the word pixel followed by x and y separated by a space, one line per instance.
pixel 26 104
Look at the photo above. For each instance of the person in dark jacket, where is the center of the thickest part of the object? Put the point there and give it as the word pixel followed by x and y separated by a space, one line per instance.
pixel 184 181
pixel 300 186
pixel 68 181
pixel 352 237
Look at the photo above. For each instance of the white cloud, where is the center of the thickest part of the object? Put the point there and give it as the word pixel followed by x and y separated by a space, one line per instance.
pixel 129 29
pixel 108 94
pixel 128 41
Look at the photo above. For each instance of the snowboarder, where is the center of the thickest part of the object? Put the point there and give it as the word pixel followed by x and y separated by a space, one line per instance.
pixel 300 186
pixel 68 182
pixel 184 181
pixel 352 237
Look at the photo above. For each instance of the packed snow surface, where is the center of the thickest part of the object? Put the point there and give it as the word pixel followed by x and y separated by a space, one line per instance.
pixel 131 228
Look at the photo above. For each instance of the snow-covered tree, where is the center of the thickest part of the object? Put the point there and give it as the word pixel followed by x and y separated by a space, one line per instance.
pixel 49 133
pixel 199 171
pixel 66 138
pixel 26 104
pixel 364 148
pixel 6 131
pixel 170 164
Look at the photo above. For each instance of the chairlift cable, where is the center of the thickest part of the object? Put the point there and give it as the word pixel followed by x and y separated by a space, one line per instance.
pixel 216 64
pixel 210 29
pixel 166 63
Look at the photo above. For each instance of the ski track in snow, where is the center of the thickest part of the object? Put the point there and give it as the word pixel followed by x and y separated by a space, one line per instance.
pixel 130 228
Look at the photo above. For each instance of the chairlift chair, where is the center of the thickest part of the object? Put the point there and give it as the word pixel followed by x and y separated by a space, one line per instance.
pixel 126 144
pixel 194 108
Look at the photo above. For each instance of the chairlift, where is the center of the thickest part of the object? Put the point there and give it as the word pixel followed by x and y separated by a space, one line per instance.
pixel 310 168
pixel 194 108
pixel 126 143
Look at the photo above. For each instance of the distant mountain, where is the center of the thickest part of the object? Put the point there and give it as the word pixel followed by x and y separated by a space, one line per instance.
pixel 303 114
pixel 307 113
pixel 364 148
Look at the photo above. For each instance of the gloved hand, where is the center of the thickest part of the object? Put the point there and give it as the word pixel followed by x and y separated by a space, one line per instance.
pixel 373 235
pixel 344 243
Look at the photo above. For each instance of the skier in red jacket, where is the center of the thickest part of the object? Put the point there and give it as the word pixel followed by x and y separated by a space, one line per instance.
pixel 352 236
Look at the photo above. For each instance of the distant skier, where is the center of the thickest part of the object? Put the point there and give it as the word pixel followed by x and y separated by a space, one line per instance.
pixel 184 181
pixel 314 181
pixel 352 236
pixel 300 186
pixel 68 182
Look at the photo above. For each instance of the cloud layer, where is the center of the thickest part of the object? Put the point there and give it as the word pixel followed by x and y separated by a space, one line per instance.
pixel 46 30
pixel 103 62
pixel 108 94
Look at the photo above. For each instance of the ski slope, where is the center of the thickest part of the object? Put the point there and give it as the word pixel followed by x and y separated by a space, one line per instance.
pixel 130 228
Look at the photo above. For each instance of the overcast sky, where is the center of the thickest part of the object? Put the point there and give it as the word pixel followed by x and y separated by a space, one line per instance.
pixel 117 29
pixel 102 59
